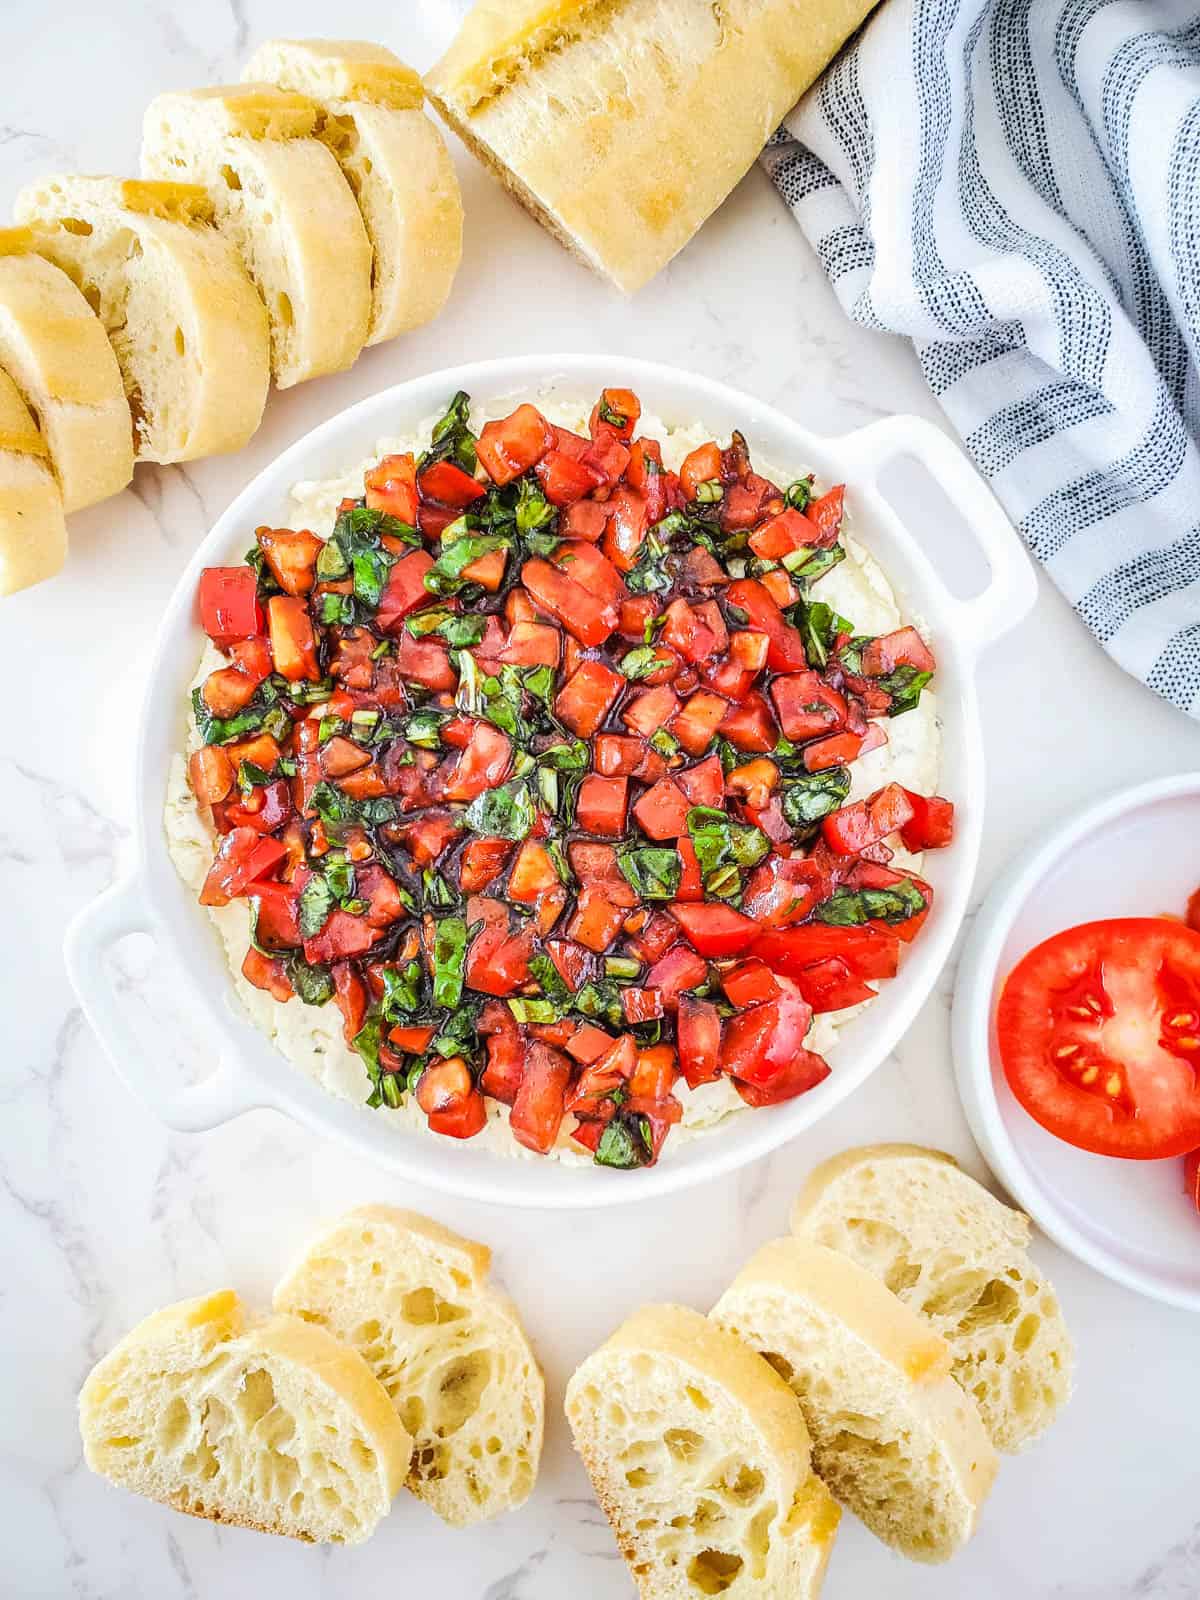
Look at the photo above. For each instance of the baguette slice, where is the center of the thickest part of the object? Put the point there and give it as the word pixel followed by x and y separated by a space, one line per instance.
pixel 622 126
pixel 33 534
pixel 187 325
pixel 413 1298
pixel 700 1459
pixel 954 1253
pixel 392 157
pixel 280 198
pixel 272 1425
pixel 893 1435
pixel 53 347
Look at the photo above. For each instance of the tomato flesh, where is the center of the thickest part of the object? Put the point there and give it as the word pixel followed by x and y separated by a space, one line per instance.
pixel 1099 1033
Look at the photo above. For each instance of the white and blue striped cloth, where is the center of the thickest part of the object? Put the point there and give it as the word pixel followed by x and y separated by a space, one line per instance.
pixel 1015 186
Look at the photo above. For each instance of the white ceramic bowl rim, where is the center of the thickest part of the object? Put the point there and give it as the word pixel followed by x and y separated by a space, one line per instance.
pixel 972 1026
pixel 251 1073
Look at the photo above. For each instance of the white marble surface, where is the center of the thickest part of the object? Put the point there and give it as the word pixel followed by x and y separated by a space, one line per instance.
pixel 105 1215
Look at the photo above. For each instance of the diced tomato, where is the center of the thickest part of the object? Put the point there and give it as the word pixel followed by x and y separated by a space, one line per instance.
pixel 701 465
pixel 763 1051
pixel 600 807
pixel 243 856
pixel 750 726
pixel 252 657
pixel 597 920
pixel 622 409
pixel 291 554
pixel 654 938
pixel 596 863
pixel 564 479
pixel 482 764
pixel 697 722
pixel 365 784
pixel 538 1110
pixel 229 607
pixel 532 644
pixel 783 889
pixel 829 985
pixel 425 837
pixel 645 464
pixel 590 617
pixel 678 970
pixel 904 648
pixel 785 650
pixel 729 678
pixel 807 706
pixel 501 1077
pixel 391 487
pixel 662 811
pixel 433 519
pixel 210 774
pixel 753 781
pixel 749 984
pixel 571 960
pixel 586 519
pixel 511 446
pixel 413 1040
pixel 641 1005
pixel 838 750
pixel 691 884
pixel 715 930
pixel 588 1044
pixel 617 756
pixel 482 860
pixel 650 710
pixel 487 570
pixel 463 1120
pixel 379 890
pixel 788 531
pixel 350 995
pixel 226 691
pixel 626 528
pixel 745 503
pixel 292 643
pixel 265 973
pixel 587 697
pixel 635 613
pixel 749 649
pixel 655 1072
pixel 497 961
pixel 703 784
pixel 277 918
pixel 533 873
pixel 338 756
pixel 424 661
pixel 449 485
pixel 850 830
pixel 931 826
pixel 868 952
pixel 404 590
pixel 607 455
pixel 698 1034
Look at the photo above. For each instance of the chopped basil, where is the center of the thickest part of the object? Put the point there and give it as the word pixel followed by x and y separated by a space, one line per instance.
pixel 806 800
pixel 446 575
pixel 622 969
pixel 316 902
pixel 547 782
pixel 263 714
pixel 818 626
pixel 332 563
pixel 798 494
pixel 904 685
pixel 367 1041
pixel 534 1010
pixel 539 682
pixel 601 1002
pixel 424 727
pixel 337 610
pixel 709 492
pixel 357 534
pixel 338 811
pixel 571 757
pixel 810 563
pixel 266 583
pixel 401 991
pixel 847 908
pixel 653 872
pixel 503 813
pixel 437 892
pixel 452 439
pixel 625 1143
pixel 718 840
pixel 391 1089
pixel 458 630
pixel 339 875
pixel 251 776
pixel 534 511
pixel 549 979
pixel 311 982
pixel 648 574
pixel 665 743
pixel 638 662
pixel 449 956
pixel 653 625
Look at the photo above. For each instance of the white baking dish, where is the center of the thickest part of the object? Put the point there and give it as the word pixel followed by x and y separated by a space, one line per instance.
pixel 250 1073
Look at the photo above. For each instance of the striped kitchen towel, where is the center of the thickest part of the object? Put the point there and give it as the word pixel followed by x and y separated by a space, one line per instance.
pixel 1015 186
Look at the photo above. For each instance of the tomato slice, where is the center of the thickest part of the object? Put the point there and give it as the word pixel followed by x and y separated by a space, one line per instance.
pixel 1099 1031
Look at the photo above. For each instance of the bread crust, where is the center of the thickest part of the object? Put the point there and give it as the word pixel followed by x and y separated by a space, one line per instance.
pixel 625 123
pixel 53 347
pixel 33 532
pixel 394 160
pixel 186 323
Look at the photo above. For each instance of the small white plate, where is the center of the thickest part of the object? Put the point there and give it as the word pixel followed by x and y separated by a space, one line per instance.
pixel 1135 854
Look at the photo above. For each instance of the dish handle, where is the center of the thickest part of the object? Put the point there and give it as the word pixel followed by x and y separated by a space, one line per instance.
pixel 188 1107
pixel 1012 586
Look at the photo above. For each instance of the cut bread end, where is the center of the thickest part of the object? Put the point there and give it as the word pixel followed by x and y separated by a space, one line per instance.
pixel 957 1255
pixel 271 1425
pixel 894 1437
pixel 338 69
pixel 33 532
pixel 414 1300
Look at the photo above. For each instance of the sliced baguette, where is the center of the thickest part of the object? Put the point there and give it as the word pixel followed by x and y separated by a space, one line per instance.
pixel 622 126
pixel 53 347
pixel 414 1300
pixel 33 533
pixel 894 1436
pixel 273 1425
pixel 186 323
pixel 954 1253
pixel 699 1457
pixel 393 158
pixel 279 196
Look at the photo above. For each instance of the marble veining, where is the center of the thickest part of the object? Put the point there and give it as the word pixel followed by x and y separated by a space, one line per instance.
pixel 105 1215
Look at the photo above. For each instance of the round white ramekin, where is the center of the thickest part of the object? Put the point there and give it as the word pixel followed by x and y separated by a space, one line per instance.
pixel 250 1073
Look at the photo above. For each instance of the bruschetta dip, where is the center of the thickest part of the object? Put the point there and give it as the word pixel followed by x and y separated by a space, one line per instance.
pixel 560 782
